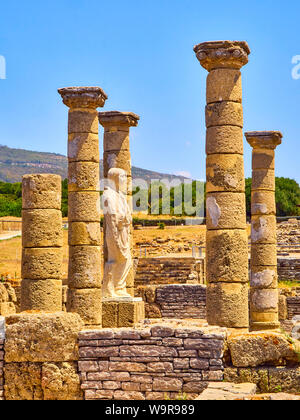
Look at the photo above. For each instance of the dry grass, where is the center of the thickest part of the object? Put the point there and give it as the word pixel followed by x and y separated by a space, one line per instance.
pixel 11 250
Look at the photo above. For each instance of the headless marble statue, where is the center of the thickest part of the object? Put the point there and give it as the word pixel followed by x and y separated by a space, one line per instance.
pixel 118 219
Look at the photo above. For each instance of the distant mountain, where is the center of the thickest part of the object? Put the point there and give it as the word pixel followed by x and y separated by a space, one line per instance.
pixel 14 163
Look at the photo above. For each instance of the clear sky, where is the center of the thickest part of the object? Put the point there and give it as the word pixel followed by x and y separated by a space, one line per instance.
pixel 141 53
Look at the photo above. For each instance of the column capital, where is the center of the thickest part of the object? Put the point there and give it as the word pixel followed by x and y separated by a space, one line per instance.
pixel 117 118
pixel 83 97
pixel 264 139
pixel 222 54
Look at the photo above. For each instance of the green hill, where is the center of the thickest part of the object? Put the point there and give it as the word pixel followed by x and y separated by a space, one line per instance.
pixel 14 163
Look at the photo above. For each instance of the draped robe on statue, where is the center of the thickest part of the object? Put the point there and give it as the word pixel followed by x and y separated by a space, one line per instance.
pixel 118 219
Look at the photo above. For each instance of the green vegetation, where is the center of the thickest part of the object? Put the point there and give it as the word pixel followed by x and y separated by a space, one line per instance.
pixel 152 200
pixel 10 199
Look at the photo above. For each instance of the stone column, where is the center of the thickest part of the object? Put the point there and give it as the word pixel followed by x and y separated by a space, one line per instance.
pixel 264 283
pixel 84 280
pixel 42 241
pixel 117 155
pixel 226 241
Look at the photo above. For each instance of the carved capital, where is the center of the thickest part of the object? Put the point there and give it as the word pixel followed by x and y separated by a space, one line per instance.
pixel 222 54
pixel 118 119
pixel 264 139
pixel 83 97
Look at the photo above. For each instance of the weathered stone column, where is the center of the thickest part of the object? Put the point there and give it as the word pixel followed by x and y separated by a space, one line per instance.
pixel 264 283
pixel 117 155
pixel 84 295
pixel 226 241
pixel 42 241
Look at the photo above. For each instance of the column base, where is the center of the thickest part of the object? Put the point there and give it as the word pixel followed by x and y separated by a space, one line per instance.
pixel 264 326
pixel 122 313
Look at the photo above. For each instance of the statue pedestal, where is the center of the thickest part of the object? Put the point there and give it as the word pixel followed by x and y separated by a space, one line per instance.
pixel 122 312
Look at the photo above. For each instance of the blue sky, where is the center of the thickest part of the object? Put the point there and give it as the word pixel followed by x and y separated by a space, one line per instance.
pixel 141 54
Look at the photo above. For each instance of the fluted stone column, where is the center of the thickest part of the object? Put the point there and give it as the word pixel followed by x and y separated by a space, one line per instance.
pixel 226 240
pixel 42 241
pixel 117 155
pixel 84 280
pixel 264 281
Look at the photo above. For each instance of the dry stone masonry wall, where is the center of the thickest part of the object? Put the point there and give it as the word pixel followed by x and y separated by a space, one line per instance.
pixel 151 363
pixel 174 301
pixel 152 271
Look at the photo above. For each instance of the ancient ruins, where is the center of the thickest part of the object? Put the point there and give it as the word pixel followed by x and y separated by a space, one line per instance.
pixel 161 328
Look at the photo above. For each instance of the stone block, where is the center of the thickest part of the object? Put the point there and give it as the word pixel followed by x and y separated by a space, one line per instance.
pixel 42 381
pixel 227 392
pixel 227 305
pixel 84 207
pixel 42 337
pixel 224 140
pixel 130 313
pixel 224 85
pixel 263 179
pixel 258 349
pixel 286 379
pixel 84 267
pixel 226 210
pixel 128 395
pixel 263 202
pixel 263 159
pixel 42 263
pixel 83 121
pixel 227 253
pixel 117 140
pixel 263 277
pixel 224 113
pixel 167 384
pixel 87 303
pixel 83 147
pixel 264 255
pixel 82 233
pixel 225 173
pixel 264 300
pixel 41 295
pixel 263 230
pixel 83 176
pixel 110 312
pixel 117 159
pixel 41 191
pixel 42 228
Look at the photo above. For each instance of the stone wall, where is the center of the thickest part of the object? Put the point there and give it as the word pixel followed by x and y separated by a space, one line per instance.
pixel 151 271
pixel 293 305
pixel 177 301
pixel 290 299
pixel 289 269
pixel 152 363
pixel 175 270
pixel 182 301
